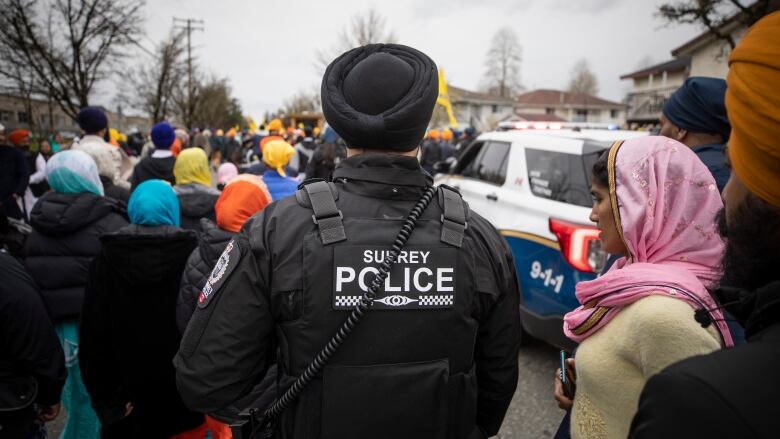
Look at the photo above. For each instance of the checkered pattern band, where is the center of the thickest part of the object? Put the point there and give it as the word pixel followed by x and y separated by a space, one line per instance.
pixel 436 300
pixel 347 300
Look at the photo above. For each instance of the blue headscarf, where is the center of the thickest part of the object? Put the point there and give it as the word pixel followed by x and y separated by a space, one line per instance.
pixel 73 172
pixel 154 203
pixel 699 106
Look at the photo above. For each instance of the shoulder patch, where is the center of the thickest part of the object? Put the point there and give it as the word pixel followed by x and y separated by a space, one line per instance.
pixel 225 265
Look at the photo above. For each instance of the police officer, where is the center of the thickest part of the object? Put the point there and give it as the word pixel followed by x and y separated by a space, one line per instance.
pixel 435 356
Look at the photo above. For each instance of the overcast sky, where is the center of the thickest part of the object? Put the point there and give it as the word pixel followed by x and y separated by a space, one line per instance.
pixel 267 48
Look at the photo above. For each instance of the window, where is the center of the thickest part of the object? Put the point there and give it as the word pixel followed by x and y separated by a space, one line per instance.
pixel 614 114
pixel 489 163
pixel 6 116
pixel 495 109
pixel 580 115
pixel 549 111
pixel 561 177
pixel 22 117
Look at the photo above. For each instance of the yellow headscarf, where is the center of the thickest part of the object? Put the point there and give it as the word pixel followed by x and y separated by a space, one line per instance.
pixel 753 107
pixel 192 166
pixel 276 154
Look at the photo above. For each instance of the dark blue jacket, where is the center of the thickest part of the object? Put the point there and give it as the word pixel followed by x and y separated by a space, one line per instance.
pixel 714 157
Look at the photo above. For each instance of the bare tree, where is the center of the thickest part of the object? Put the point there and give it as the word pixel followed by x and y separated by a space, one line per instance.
pixel 502 64
pixel 152 85
pixel 713 14
pixel 583 80
pixel 369 27
pixel 304 100
pixel 68 45
pixel 215 104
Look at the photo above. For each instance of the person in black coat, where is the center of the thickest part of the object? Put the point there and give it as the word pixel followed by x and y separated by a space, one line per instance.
pixel 240 199
pixel 128 330
pixel 159 164
pixel 734 393
pixel 32 364
pixel 14 176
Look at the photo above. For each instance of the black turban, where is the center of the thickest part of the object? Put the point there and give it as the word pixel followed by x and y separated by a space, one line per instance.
pixel 380 96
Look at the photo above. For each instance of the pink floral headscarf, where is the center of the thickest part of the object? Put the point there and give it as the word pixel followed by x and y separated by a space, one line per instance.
pixel 664 200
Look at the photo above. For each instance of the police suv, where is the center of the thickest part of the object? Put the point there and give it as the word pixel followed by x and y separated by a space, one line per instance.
pixel 532 182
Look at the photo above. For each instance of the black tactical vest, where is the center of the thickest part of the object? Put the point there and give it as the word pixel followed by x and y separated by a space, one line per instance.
pixel 407 370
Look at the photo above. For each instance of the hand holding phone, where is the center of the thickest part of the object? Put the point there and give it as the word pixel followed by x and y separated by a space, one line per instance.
pixel 565 382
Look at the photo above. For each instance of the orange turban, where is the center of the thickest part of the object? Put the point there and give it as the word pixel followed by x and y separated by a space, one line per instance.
pixel 753 106
pixel 446 135
pixel 238 202
pixel 433 134
pixel 18 137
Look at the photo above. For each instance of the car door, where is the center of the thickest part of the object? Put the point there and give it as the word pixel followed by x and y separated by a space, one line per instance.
pixel 483 171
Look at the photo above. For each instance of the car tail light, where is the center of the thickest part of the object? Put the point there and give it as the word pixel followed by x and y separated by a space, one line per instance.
pixel 580 245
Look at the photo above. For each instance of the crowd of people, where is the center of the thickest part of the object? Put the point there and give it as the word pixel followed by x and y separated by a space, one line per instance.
pixel 115 247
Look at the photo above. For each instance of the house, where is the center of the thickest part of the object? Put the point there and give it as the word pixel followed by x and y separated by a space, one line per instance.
pixel 482 111
pixel 710 55
pixel 48 117
pixel 651 88
pixel 558 105
pixel 704 55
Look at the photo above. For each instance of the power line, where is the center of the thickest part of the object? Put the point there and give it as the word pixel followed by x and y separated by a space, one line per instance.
pixel 189 25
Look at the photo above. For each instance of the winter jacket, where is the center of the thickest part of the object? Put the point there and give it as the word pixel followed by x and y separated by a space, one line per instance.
pixel 431 153
pixel 150 168
pixel 65 238
pixel 727 394
pixel 116 153
pixel 279 187
pixel 128 333
pixel 195 202
pixel 212 242
pixel 30 353
pixel 324 162
pixel 14 177
pixel 304 152
pixel 714 157
pixel 111 190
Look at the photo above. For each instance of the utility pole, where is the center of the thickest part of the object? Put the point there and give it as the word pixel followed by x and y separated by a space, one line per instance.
pixel 189 25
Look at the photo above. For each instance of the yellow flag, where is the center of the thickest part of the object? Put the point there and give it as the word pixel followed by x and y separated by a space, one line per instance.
pixel 444 99
pixel 251 123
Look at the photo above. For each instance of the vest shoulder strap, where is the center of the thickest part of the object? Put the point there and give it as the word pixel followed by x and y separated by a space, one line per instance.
pixel 320 196
pixel 454 220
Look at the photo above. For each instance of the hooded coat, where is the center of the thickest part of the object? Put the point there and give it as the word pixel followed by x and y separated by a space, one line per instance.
pixel 150 168
pixel 196 202
pixel 65 238
pixel 129 336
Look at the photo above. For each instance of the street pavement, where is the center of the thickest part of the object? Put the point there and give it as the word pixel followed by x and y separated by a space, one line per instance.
pixel 533 413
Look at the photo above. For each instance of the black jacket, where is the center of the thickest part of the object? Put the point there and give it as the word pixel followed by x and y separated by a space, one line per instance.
pixel 65 238
pixel 452 368
pixel 212 241
pixel 14 176
pixel 111 190
pixel 731 393
pixel 128 332
pixel 150 168
pixel 30 352
pixel 196 201
pixel 324 161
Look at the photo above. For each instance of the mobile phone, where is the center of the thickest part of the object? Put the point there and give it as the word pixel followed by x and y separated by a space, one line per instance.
pixel 568 386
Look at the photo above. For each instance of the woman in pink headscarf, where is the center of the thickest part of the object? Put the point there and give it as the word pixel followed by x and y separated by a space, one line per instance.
pixel 655 203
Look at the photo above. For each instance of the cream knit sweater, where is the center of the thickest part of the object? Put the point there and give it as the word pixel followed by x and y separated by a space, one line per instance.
pixel 614 363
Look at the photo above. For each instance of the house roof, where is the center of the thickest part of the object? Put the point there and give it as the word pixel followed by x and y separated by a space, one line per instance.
pixel 458 94
pixel 668 66
pixel 553 98
pixel 530 117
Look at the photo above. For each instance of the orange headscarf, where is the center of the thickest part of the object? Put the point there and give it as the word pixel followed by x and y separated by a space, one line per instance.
pixel 239 201
pixel 753 106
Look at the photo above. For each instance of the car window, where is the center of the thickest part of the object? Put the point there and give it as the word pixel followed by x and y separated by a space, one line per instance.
pixel 490 163
pixel 559 176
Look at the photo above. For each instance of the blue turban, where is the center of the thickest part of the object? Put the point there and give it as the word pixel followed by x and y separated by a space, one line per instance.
pixel 163 135
pixel 92 120
pixel 699 106
pixel 154 203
